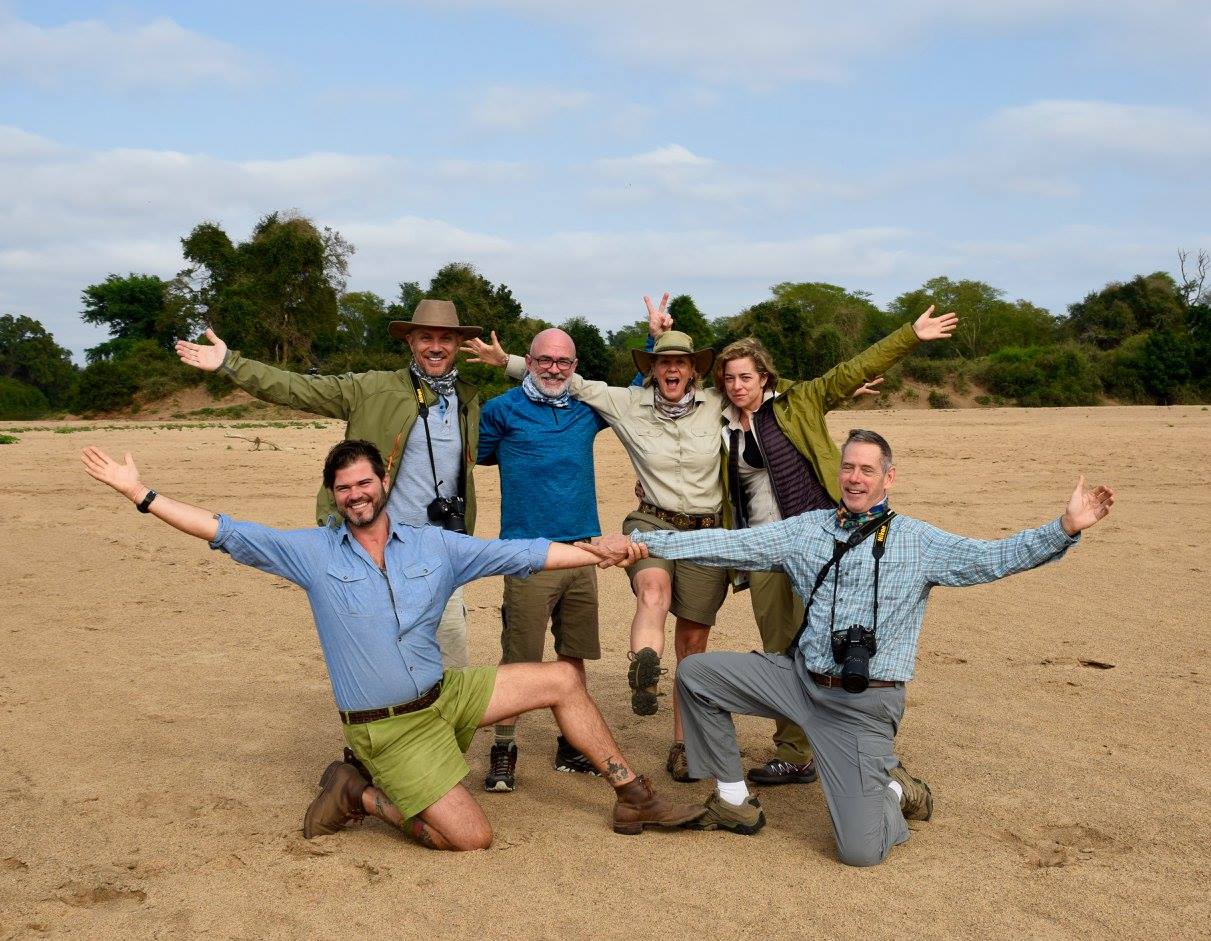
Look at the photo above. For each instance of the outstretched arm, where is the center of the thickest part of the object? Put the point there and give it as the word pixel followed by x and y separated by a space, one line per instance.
pixel 1086 508
pixel 124 478
pixel 603 555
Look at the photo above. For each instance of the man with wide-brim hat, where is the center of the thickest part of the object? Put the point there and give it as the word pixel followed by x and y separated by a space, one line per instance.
pixel 383 406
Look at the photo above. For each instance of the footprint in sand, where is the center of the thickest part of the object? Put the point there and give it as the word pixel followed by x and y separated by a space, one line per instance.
pixel 88 895
pixel 1060 844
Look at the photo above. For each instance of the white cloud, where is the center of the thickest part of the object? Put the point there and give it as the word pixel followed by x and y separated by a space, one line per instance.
pixel 669 157
pixel 146 57
pixel 513 107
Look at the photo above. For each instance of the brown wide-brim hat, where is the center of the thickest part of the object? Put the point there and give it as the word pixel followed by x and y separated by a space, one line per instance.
pixel 437 314
pixel 674 343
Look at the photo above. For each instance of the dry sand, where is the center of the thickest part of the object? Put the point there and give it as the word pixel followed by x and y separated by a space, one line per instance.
pixel 164 716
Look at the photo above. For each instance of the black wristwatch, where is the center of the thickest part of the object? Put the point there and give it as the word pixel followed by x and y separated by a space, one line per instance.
pixel 146 502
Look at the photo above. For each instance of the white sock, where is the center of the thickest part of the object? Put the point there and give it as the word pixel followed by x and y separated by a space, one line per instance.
pixel 895 786
pixel 734 792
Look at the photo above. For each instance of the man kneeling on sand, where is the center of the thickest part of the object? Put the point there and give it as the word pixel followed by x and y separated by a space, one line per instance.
pixel 869 573
pixel 377 590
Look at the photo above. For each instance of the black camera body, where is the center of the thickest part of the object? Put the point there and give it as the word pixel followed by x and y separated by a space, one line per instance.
pixel 852 648
pixel 449 513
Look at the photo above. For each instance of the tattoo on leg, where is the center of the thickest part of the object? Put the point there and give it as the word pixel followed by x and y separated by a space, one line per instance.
pixel 422 835
pixel 616 772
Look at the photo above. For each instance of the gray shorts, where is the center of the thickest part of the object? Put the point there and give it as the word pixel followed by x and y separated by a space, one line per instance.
pixel 698 590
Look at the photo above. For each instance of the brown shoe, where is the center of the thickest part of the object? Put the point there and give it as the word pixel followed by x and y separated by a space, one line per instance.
pixel 339 800
pixel 638 806
pixel 718 814
pixel 917 800
pixel 677 765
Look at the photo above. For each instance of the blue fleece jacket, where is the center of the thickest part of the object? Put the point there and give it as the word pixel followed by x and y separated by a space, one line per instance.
pixel 545 455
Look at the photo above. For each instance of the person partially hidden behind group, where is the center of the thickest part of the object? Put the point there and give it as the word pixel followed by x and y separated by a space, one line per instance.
pixel 377 589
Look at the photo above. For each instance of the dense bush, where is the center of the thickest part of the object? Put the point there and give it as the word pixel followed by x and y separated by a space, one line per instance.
pixel 939 399
pixel 932 372
pixel 106 387
pixel 19 401
pixel 1043 376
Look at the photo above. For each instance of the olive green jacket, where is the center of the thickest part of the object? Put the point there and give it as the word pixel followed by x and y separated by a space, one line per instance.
pixel 377 406
pixel 800 407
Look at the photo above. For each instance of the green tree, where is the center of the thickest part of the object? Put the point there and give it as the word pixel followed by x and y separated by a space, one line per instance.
pixel 688 319
pixel 362 318
pixel 29 355
pixel 21 402
pixel 595 358
pixel 135 307
pixel 273 296
pixel 1107 317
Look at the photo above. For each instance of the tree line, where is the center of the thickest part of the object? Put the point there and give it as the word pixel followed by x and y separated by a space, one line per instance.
pixel 281 296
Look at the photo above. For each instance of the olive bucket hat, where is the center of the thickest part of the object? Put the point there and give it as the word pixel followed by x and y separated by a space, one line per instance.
pixel 434 314
pixel 674 343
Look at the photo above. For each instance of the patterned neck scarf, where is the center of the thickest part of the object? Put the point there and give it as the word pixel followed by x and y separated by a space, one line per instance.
pixel 674 410
pixel 847 519
pixel 535 394
pixel 443 385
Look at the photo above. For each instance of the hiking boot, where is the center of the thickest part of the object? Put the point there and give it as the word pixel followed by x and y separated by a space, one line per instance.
pixel 339 800
pixel 352 759
pixel 572 760
pixel 718 814
pixel 916 803
pixel 502 763
pixel 644 675
pixel 777 771
pixel 677 766
pixel 638 806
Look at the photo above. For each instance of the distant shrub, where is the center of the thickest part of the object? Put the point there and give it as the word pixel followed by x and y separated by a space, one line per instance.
pixel 1043 376
pixel 939 399
pixel 19 401
pixel 8 439
pixel 106 387
pixel 932 372
pixel 910 394
pixel 960 383
pixel 893 381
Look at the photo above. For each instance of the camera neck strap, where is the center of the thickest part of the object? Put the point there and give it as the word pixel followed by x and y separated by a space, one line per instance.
pixel 879 525
pixel 422 409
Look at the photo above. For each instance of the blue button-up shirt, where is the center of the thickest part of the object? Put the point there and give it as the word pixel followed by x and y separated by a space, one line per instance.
pixel 917 557
pixel 378 627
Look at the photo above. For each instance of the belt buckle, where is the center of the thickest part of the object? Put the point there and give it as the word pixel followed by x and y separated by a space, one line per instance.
pixel 681 519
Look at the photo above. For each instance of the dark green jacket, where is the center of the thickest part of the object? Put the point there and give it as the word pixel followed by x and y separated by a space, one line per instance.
pixel 378 406
pixel 800 407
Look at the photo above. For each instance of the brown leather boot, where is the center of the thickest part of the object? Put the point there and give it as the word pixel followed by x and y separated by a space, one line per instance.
pixel 639 806
pixel 339 800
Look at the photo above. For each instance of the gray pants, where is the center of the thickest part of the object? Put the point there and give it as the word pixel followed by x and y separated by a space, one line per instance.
pixel 852 736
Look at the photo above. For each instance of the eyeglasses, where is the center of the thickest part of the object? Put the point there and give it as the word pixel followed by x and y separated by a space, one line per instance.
pixel 546 362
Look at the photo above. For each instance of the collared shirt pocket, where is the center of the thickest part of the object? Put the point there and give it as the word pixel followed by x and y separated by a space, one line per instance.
pixel 353 592
pixel 419 584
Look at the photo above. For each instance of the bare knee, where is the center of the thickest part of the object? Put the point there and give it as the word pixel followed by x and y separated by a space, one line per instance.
pixel 654 596
pixel 690 638
pixel 479 839
pixel 564 678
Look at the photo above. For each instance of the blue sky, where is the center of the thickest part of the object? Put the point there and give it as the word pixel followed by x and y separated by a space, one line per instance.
pixel 587 154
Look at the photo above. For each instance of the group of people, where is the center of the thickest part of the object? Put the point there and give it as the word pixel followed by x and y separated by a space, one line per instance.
pixel 740 483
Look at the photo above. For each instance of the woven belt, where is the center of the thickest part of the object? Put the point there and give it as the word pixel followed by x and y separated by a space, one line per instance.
pixel 358 717
pixel 681 520
pixel 825 679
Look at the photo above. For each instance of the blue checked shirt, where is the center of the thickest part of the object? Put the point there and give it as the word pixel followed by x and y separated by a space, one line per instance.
pixel 917 557
pixel 378 629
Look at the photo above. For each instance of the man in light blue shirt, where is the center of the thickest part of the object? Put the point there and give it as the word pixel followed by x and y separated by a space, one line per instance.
pixel 377 589
pixel 865 575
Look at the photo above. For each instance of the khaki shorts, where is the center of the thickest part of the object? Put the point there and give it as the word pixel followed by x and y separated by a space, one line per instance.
pixel 567 598
pixel 416 758
pixel 698 590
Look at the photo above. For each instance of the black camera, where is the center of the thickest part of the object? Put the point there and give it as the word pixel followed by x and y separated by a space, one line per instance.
pixel 449 513
pixel 852 648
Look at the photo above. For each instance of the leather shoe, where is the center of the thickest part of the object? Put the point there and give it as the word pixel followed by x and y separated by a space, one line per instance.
pixel 338 802
pixel 639 806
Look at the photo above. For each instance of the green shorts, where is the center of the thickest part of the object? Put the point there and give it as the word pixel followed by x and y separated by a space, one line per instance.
pixel 416 758
pixel 567 598
pixel 698 590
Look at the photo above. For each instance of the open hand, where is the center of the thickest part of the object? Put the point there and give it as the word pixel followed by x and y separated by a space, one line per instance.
pixel 1086 508
pixel 124 478
pixel 491 354
pixel 928 327
pixel 869 388
pixel 659 319
pixel 207 357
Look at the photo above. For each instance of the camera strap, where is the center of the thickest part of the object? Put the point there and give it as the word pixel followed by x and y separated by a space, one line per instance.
pixel 422 409
pixel 880 525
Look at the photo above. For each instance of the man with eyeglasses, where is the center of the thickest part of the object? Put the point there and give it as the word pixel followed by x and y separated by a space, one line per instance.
pixel 542 440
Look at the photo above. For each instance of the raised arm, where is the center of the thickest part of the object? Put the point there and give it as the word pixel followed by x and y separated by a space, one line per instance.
pixel 333 396
pixel 124 478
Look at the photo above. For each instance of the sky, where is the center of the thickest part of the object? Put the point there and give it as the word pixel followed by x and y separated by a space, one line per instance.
pixel 586 154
